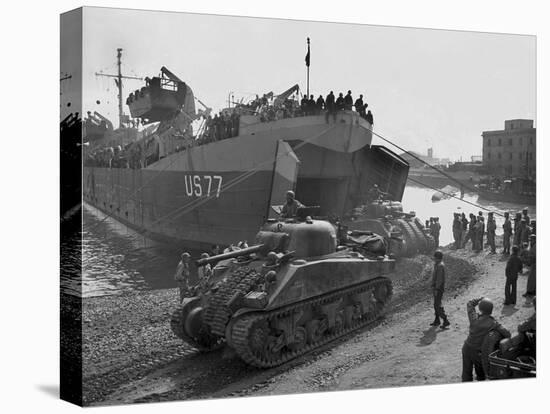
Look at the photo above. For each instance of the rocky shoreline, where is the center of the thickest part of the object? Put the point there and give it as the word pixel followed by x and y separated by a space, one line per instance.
pixel 127 337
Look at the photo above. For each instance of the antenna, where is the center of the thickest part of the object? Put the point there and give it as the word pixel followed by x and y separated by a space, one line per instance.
pixel 118 81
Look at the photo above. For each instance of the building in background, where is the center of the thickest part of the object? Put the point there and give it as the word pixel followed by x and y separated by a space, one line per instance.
pixel 511 152
pixel 428 159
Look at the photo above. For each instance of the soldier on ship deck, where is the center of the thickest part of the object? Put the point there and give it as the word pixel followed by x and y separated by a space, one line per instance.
pixel 291 206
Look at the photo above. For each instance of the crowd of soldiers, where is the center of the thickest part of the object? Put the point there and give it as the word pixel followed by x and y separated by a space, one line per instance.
pixel 221 126
pixel 134 155
pixel 332 105
pixel 477 231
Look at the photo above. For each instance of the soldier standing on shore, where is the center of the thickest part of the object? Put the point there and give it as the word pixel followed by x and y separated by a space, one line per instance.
pixel 438 287
pixel 435 230
pixel 182 275
pixel 480 325
pixel 477 236
pixel 525 216
pixel 491 228
pixel 517 232
pixel 457 231
pixel 507 228
pixel 514 266
pixel 464 221
pixel 481 233
pixel 532 279
pixel 471 231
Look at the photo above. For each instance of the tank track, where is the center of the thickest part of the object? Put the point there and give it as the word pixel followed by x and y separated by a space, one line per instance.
pixel 218 313
pixel 411 244
pixel 242 327
pixel 420 236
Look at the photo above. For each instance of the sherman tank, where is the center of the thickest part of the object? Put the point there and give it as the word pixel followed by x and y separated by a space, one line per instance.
pixel 303 283
pixel 403 232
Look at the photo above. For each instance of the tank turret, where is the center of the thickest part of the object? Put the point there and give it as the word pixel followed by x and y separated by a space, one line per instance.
pixel 403 232
pixel 296 289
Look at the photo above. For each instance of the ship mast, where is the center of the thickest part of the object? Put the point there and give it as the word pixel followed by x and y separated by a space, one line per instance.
pixel 118 81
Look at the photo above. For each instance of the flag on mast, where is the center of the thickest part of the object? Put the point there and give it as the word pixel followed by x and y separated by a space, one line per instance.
pixel 307 56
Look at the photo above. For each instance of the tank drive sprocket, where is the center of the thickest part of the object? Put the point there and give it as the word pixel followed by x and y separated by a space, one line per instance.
pixel 204 341
pixel 268 339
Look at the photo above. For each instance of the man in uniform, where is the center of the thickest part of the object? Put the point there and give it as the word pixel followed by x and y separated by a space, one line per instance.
pixel 375 193
pixel 330 106
pixel 369 117
pixel 471 230
pixel 205 273
pixel 348 101
pixel 320 104
pixel 517 232
pixel 312 105
pixel 531 289
pixel 436 230
pixel 291 206
pixel 525 216
pixel 514 266
pixel 438 287
pixel 507 228
pixel 359 106
pixel 182 274
pixel 481 232
pixel 464 221
pixel 457 231
pixel 491 228
pixel 523 232
pixel 304 105
pixel 480 325
pixel 340 103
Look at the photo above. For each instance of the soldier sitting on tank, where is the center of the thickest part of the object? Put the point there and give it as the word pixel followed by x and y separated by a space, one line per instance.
pixel 290 209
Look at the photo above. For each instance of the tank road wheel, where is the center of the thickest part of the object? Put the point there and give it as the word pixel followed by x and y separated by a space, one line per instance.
pixel 265 344
pixel 316 330
pixel 348 316
pixel 258 336
pixel 339 321
pixel 300 339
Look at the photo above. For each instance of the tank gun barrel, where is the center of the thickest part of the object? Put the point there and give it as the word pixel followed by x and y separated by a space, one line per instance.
pixel 230 255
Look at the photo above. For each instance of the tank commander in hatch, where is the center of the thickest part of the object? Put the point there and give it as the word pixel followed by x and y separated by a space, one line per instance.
pixel 291 206
pixel 375 193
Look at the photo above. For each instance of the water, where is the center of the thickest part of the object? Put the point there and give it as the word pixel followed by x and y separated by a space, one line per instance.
pixel 115 259
pixel 419 200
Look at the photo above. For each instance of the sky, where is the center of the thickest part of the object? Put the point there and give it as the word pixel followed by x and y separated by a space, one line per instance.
pixel 426 88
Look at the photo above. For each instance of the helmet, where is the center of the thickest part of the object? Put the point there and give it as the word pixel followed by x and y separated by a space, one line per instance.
pixel 205 256
pixel 486 306
pixel 438 255
pixel 186 255
pixel 290 193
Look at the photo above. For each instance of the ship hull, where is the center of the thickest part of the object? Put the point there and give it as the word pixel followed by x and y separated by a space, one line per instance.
pixel 222 192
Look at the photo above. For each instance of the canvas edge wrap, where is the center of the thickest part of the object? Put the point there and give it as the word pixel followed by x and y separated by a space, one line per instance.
pixel 70 206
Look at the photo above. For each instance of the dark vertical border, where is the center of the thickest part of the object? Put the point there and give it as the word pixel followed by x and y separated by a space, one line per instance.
pixel 71 203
